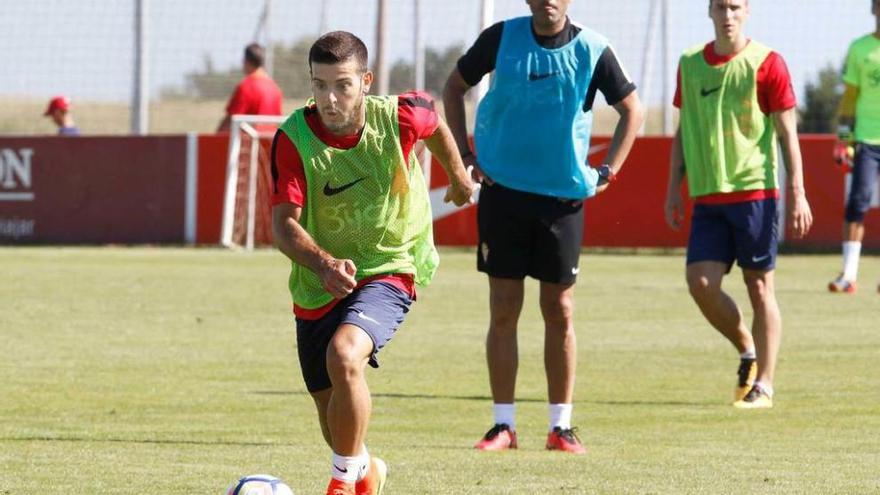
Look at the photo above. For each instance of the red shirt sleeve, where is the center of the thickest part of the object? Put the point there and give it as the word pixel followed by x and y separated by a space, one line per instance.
pixel 775 93
pixel 417 119
pixel 676 100
pixel 288 173
pixel 237 102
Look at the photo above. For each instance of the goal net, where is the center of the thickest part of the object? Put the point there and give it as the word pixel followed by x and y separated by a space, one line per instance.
pixel 247 216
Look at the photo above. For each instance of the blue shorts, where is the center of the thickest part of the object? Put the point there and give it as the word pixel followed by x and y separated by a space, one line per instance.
pixel 864 180
pixel 746 232
pixel 376 307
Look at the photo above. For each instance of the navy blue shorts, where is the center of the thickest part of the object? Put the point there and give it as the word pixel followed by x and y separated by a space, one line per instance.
pixel 377 307
pixel 864 181
pixel 746 232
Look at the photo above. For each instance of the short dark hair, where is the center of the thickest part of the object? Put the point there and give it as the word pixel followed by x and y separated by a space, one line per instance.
pixel 337 47
pixel 255 54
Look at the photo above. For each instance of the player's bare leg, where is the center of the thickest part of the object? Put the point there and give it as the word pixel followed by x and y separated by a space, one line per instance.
pixel 505 305
pixel 704 282
pixel 560 341
pixel 767 324
pixel 350 404
pixel 853 233
pixel 322 402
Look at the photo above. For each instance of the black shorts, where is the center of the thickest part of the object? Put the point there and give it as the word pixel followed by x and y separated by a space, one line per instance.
pixel 377 308
pixel 530 234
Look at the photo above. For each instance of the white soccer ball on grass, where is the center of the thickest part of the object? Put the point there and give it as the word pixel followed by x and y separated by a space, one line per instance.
pixel 258 484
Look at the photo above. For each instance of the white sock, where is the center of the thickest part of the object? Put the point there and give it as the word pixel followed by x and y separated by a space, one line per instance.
pixel 560 416
pixel 346 468
pixel 749 354
pixel 365 463
pixel 766 388
pixel 505 414
pixel 851 252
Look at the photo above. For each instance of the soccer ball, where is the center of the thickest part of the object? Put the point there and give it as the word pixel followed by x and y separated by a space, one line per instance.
pixel 258 484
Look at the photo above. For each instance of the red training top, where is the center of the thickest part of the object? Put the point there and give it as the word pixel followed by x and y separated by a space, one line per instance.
pixel 256 94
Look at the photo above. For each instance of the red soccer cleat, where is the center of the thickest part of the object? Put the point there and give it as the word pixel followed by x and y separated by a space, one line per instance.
pixel 337 487
pixel 500 437
pixel 842 285
pixel 374 482
pixel 565 440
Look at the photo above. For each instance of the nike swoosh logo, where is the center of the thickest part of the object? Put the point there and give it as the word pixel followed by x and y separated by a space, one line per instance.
pixel 362 316
pixel 330 191
pixel 537 77
pixel 575 270
pixel 340 469
pixel 756 259
pixel 706 92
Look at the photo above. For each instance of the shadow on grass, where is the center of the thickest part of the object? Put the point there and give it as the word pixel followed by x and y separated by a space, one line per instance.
pixel 481 398
pixel 155 441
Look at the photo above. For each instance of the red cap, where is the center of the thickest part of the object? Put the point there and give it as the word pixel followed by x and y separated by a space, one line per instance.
pixel 57 103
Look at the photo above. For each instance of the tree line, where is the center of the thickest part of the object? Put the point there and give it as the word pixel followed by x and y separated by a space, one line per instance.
pixel 817 111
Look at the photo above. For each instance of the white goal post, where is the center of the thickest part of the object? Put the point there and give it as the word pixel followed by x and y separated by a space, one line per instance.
pixel 240 201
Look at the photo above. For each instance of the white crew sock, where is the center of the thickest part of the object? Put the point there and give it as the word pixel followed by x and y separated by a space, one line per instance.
pixel 766 388
pixel 749 354
pixel 365 463
pixel 347 468
pixel 851 252
pixel 560 416
pixel 505 414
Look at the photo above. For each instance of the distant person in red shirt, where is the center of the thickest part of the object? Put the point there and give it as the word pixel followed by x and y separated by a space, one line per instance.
pixel 59 111
pixel 257 93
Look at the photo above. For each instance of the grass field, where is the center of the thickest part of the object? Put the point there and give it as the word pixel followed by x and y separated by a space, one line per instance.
pixel 173 371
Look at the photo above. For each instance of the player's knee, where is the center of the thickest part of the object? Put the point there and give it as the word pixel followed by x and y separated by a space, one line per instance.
pixel 343 360
pixel 758 286
pixel 700 286
pixel 557 310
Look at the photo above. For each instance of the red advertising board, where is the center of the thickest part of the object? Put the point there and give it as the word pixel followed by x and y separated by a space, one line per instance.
pixel 134 190
pixel 92 189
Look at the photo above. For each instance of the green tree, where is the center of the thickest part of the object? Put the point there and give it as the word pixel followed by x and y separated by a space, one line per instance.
pixel 438 65
pixel 821 99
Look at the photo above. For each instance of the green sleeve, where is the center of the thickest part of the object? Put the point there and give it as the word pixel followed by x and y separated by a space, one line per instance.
pixel 851 69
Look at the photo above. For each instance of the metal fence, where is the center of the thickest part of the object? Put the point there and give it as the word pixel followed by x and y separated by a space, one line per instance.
pixel 189 55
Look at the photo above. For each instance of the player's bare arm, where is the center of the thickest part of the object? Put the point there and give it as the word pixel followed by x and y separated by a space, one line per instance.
pixel 844 150
pixel 453 105
pixel 674 207
pixel 632 116
pixel 800 214
pixel 337 276
pixel 442 146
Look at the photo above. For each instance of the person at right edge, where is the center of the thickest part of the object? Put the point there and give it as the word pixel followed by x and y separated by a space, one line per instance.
pixel 859 108
pixel 735 98
pixel 532 139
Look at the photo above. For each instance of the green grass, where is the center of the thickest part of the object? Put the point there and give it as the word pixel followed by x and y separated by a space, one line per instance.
pixel 174 371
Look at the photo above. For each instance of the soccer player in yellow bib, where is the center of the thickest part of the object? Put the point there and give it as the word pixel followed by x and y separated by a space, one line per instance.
pixel 735 98
pixel 859 131
pixel 351 211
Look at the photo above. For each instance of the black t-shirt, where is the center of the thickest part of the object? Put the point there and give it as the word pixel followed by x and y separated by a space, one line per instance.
pixel 609 77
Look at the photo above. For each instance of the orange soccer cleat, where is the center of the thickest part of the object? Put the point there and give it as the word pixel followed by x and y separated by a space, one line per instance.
pixel 499 437
pixel 565 440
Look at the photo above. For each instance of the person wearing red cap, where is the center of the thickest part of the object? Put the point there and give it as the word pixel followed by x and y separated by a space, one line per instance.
pixel 257 93
pixel 59 111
